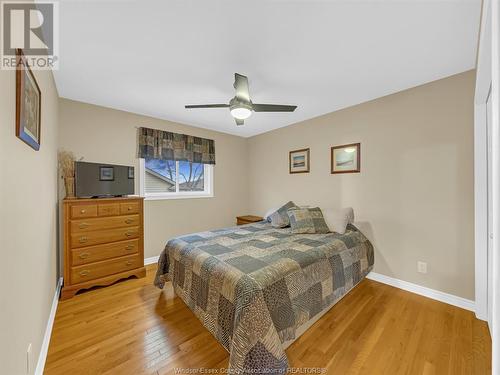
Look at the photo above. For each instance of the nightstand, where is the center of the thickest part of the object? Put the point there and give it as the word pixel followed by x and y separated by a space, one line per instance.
pixel 248 219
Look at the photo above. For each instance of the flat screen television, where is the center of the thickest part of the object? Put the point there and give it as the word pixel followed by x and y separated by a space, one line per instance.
pixel 103 180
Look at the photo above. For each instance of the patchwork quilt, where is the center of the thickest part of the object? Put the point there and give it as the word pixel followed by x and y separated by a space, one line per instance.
pixel 253 286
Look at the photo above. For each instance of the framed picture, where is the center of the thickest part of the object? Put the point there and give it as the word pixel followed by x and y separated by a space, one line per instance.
pixel 346 158
pixel 28 103
pixel 131 173
pixel 299 161
pixel 106 174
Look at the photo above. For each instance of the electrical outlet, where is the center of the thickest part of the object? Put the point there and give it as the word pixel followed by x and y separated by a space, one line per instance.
pixel 28 360
pixel 421 267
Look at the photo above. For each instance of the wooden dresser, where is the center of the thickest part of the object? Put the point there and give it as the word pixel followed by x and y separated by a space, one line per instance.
pixel 103 242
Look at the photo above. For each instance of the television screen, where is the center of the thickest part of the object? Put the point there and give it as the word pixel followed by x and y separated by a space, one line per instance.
pixel 103 180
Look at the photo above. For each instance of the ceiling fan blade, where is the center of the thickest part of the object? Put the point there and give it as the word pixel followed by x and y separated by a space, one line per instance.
pixel 239 122
pixel 241 86
pixel 273 108
pixel 207 106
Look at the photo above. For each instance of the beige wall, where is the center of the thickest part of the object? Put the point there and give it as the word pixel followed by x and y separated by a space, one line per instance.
pixel 105 135
pixel 28 222
pixel 414 195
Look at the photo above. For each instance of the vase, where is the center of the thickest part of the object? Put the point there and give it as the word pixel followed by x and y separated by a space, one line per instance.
pixel 69 185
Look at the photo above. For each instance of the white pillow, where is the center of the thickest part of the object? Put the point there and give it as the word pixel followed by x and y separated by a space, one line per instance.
pixel 337 219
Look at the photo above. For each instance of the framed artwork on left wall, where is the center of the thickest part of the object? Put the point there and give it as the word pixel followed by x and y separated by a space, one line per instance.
pixel 28 103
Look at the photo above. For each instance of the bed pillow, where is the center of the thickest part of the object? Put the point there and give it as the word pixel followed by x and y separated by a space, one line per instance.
pixel 350 214
pixel 279 218
pixel 307 220
pixel 337 219
pixel 267 215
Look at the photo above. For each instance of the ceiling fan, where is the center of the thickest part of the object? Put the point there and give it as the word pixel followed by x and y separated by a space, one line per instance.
pixel 241 106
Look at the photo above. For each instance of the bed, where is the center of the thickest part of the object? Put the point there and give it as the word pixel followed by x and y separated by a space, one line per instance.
pixel 257 288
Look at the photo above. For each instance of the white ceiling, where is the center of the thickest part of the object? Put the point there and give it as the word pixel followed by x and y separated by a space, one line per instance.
pixel 153 57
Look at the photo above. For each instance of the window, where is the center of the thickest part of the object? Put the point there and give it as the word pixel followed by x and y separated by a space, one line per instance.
pixel 168 179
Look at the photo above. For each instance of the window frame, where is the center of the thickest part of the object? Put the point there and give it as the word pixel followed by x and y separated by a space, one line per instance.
pixel 208 177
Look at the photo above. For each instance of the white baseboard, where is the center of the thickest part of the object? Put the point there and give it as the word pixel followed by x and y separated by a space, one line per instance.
pixel 151 260
pixel 423 291
pixel 48 330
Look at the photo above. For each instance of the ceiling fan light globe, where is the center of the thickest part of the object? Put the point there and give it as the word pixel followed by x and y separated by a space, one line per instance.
pixel 241 113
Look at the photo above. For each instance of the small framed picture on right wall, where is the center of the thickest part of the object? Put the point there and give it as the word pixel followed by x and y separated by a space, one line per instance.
pixel 346 158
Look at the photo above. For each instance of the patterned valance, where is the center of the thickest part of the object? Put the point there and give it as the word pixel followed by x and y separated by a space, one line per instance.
pixel 160 144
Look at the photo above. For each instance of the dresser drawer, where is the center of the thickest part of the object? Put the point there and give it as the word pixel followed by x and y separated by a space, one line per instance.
pixel 129 208
pixel 93 271
pixel 92 254
pixel 108 209
pixel 103 236
pixel 83 210
pixel 77 226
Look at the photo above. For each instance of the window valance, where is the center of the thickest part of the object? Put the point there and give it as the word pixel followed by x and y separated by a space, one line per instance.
pixel 160 144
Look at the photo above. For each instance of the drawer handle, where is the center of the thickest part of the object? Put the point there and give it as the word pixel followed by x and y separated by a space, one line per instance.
pixel 83 239
pixel 128 234
pixel 83 255
pixel 83 211
pixel 129 221
pixel 84 273
pixel 129 263
pixel 129 208
pixel 83 226
pixel 129 247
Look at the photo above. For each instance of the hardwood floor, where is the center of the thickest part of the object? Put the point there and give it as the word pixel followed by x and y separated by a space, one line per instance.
pixel 134 328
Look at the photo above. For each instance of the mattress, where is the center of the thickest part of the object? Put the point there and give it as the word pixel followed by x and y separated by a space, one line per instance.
pixel 256 288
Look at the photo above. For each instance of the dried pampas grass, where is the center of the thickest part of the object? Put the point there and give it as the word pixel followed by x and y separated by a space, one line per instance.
pixel 66 163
